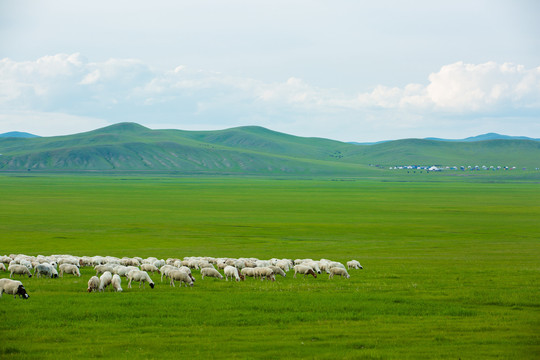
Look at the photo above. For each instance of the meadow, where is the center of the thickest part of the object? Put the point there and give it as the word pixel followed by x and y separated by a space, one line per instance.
pixel 451 267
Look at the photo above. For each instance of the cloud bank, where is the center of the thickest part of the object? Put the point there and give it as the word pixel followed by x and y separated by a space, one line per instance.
pixel 83 95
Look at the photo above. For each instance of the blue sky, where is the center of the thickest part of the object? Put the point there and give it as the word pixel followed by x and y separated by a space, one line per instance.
pixel 346 70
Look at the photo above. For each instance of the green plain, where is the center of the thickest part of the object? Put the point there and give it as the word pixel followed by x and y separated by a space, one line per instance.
pixel 451 267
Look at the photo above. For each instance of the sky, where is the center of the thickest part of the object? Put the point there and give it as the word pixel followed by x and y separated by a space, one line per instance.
pixel 347 70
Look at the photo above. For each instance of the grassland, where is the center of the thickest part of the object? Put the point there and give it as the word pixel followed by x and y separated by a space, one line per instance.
pixel 451 267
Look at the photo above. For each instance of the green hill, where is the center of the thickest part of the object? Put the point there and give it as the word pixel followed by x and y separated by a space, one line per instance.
pixel 248 150
pixel 519 153
pixel 132 147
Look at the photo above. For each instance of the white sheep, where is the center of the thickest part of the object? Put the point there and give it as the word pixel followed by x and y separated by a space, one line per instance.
pixel 205 265
pixel 69 269
pixel 283 265
pixel 263 263
pixel 26 263
pixel 159 263
pixel 124 270
pixel 129 262
pixel 335 264
pixel 13 287
pixel 181 276
pixel 69 260
pixel 165 270
pixel 264 273
pixel 19 270
pixel 211 272
pixel 314 265
pixel 116 283
pixel 304 269
pixel 46 270
pixel 101 269
pixel 2 267
pixel 278 271
pixel 105 280
pixel 187 271
pixel 232 272
pixel 354 264
pixel 93 284
pixel 141 276
pixel 248 271
pixel 150 267
pixel 338 271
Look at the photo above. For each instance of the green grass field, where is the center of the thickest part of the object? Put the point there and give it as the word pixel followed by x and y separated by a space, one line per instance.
pixel 451 267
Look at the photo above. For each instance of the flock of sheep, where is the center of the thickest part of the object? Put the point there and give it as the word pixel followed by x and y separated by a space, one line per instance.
pixel 110 270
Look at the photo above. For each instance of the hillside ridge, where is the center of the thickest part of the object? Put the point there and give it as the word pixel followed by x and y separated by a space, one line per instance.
pixel 250 150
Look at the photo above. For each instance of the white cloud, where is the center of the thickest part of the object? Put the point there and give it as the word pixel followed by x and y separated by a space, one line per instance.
pixel 74 90
pixel 484 87
pixel 464 89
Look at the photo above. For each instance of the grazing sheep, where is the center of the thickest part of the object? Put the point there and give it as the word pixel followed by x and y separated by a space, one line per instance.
pixel 129 262
pixel 121 270
pixel 335 264
pixel 278 271
pixel 116 283
pixel 181 276
pixel 248 271
pixel 165 270
pixel 93 284
pixel 141 276
pixel 150 260
pixel 314 265
pixel 283 265
pixel 2 267
pixel 206 265
pixel 211 272
pixel 354 264
pixel 304 269
pixel 232 272
pixel 26 263
pixel 105 280
pixel 263 263
pixel 338 271
pixel 13 287
pixel 239 264
pixel 69 269
pixel 159 263
pixel 101 269
pixel 69 260
pixel 264 273
pixel 46 270
pixel 19 270
pixel 187 271
pixel 150 268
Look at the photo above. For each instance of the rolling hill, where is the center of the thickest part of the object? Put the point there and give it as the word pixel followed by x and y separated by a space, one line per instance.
pixel 17 134
pixel 248 150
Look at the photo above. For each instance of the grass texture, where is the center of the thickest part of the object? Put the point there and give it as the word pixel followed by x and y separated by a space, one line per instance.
pixel 451 268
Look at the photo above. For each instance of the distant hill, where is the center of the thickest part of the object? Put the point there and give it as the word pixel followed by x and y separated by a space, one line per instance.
pixel 488 136
pixel 248 150
pixel 519 153
pixel 17 134
pixel 132 147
